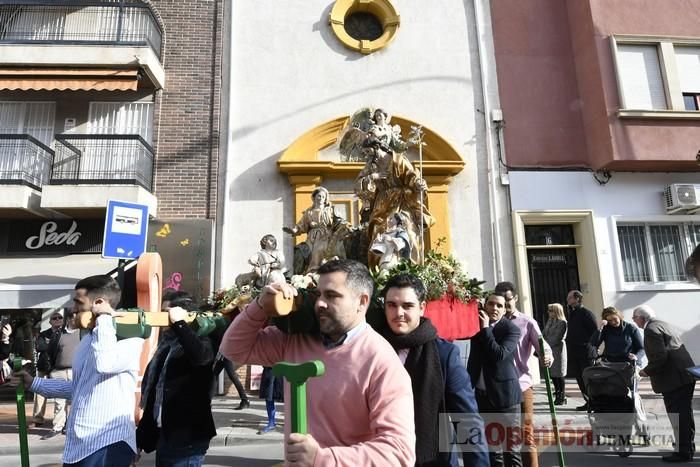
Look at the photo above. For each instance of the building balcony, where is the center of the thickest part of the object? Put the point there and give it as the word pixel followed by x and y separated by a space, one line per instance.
pixel 83 172
pixel 52 36
pixel 25 166
pixel 88 170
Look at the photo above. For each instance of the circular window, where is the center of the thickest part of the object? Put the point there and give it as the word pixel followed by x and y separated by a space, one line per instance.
pixel 364 25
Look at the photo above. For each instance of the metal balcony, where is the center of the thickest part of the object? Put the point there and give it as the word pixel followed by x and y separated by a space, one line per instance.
pixel 24 160
pixel 102 160
pixel 75 22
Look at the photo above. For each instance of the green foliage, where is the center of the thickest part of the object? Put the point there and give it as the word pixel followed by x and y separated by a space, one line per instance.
pixel 441 274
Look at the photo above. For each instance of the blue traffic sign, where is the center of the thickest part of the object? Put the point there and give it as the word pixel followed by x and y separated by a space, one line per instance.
pixel 126 226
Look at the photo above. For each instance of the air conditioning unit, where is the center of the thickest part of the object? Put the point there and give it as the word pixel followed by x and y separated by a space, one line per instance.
pixel 682 198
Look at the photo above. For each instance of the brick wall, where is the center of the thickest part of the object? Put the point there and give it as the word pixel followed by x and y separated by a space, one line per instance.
pixel 187 111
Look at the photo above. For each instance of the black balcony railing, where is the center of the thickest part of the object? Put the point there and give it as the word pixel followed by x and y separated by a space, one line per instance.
pixel 119 22
pixel 24 160
pixel 103 159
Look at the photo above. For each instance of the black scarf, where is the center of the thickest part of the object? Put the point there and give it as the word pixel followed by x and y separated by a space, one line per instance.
pixel 423 366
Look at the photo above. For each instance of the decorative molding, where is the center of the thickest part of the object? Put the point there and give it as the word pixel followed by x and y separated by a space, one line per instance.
pixel 305 172
pixel 660 114
pixel 383 10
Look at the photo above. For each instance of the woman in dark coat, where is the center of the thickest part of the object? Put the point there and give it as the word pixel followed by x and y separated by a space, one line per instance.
pixel 623 341
pixel 555 334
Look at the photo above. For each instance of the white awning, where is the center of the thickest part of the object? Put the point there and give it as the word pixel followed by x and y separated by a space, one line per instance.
pixel 46 282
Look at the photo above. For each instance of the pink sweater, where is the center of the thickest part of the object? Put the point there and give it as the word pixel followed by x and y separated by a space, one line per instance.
pixel 360 411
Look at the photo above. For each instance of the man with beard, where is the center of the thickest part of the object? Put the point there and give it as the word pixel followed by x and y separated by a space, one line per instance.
pixel 361 409
pixel 440 383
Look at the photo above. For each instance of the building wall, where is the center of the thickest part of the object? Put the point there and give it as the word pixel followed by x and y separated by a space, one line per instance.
pixel 630 197
pixel 537 83
pixel 289 74
pixel 560 52
pixel 188 109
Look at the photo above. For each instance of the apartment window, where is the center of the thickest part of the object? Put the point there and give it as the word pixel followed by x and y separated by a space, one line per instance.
pixel 688 64
pixel 658 74
pixel 640 76
pixel 122 118
pixel 656 252
pixel 33 118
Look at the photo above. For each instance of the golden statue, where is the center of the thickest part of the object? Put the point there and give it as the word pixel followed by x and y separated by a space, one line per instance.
pixel 388 184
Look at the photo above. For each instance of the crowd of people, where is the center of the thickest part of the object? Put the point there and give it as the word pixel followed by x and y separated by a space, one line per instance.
pixel 404 389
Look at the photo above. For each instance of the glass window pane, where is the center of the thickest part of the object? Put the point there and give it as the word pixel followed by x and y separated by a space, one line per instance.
pixel 668 251
pixel 633 250
pixel 690 101
pixel 694 235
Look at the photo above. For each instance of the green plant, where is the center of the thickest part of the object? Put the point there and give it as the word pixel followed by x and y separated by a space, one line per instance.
pixel 441 274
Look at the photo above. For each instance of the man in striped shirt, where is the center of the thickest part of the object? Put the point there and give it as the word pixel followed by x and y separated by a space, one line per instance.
pixel 101 424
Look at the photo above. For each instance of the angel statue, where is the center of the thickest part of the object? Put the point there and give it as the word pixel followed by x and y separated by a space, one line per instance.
pixel 324 233
pixel 388 184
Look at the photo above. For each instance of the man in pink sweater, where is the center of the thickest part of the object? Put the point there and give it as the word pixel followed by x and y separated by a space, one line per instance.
pixel 360 413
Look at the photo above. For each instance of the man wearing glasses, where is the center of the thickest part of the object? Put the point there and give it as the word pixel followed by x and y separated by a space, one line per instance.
pixel 62 352
pixel 44 343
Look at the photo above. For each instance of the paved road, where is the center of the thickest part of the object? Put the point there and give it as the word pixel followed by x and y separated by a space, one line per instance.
pixel 258 455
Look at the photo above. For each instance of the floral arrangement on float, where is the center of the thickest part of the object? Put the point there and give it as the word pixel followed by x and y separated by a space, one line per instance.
pixel 452 297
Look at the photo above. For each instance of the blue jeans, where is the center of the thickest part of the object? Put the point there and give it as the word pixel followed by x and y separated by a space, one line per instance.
pixel 115 455
pixel 181 456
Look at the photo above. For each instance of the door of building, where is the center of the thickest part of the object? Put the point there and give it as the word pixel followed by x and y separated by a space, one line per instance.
pixel 552 266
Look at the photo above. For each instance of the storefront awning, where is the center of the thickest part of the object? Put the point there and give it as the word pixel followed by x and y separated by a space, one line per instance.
pixel 46 282
pixel 68 79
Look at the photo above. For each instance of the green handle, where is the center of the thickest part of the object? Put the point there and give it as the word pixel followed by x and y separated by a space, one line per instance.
pixel 552 409
pixel 21 416
pixel 297 374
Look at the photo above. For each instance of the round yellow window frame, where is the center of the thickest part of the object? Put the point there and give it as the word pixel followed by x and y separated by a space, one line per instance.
pixel 383 10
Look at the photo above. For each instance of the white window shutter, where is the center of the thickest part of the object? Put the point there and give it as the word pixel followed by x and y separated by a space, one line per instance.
pixel 640 77
pixel 688 63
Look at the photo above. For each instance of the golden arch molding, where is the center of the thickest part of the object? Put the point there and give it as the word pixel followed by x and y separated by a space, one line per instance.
pixel 305 171
pixel 383 10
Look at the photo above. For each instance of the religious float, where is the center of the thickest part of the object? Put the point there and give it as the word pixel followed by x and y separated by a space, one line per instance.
pixel 393 223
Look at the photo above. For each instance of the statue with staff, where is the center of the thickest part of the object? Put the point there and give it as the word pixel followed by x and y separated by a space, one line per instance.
pixel 388 184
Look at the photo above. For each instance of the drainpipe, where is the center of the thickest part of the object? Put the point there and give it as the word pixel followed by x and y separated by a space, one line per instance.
pixel 482 22
pixel 224 135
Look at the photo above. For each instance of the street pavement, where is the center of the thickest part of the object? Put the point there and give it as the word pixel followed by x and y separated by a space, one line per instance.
pixel 238 444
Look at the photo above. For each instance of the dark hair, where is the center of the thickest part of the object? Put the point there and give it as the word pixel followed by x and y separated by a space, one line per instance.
pixel 179 298
pixel 358 278
pixel 265 238
pixel 402 281
pixel 101 286
pixel 496 293
pixel 504 287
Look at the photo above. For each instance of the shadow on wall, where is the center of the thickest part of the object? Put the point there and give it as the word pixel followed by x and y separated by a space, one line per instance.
pixel 691 339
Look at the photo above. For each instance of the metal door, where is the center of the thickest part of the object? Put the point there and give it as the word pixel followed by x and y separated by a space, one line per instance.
pixel 553 272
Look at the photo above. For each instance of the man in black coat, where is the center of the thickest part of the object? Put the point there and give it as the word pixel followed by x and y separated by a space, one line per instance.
pixel 581 327
pixel 492 369
pixel 176 392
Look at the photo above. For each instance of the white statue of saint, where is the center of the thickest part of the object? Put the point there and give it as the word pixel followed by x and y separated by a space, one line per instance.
pixel 393 244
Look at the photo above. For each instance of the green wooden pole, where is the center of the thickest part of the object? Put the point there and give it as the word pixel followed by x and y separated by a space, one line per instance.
pixel 297 374
pixel 552 409
pixel 21 416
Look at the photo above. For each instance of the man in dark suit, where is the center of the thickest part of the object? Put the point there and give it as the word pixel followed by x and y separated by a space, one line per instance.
pixel 492 368
pixel 581 327
pixel 668 361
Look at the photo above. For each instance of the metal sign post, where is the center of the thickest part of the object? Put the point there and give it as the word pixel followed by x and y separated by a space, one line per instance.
pixel 126 228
